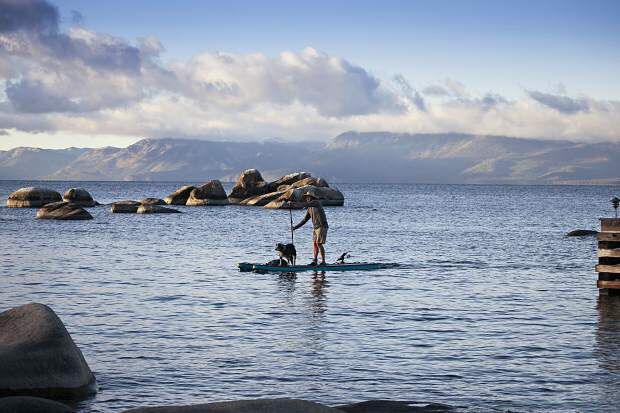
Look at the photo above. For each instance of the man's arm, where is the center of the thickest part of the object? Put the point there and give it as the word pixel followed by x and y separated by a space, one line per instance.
pixel 303 221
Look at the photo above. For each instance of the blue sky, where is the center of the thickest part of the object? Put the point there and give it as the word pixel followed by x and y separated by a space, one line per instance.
pixel 96 73
pixel 489 45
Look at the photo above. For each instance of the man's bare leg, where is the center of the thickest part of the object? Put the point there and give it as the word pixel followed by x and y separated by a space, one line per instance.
pixel 315 250
pixel 322 253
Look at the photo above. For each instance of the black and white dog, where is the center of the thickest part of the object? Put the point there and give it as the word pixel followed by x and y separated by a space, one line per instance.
pixel 287 253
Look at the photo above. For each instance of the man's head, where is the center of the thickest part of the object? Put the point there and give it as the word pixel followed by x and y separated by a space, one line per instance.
pixel 310 195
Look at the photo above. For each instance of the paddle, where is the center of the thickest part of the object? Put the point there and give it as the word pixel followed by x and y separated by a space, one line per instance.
pixel 290 211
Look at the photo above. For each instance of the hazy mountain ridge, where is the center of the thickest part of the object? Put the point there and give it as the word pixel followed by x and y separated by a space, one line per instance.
pixel 349 157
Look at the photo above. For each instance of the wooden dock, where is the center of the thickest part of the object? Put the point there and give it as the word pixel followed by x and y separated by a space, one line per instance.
pixel 608 267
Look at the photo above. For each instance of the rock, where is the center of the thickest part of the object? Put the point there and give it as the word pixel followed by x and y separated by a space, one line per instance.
pixel 582 233
pixel 262 200
pixel 392 406
pixel 244 406
pixel 79 197
pixel 26 404
pixel 39 358
pixel 289 179
pixel 125 207
pixel 327 196
pixel 156 209
pixel 211 193
pixel 318 182
pixel 250 183
pixel 63 211
pixel 32 197
pixel 152 201
pixel 180 196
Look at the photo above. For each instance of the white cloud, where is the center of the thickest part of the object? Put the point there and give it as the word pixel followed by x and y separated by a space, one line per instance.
pixel 85 83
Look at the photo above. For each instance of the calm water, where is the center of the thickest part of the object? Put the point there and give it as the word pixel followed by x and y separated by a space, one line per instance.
pixel 493 309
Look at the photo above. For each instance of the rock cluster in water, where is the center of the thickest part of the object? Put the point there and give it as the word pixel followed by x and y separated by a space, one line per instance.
pixel 249 190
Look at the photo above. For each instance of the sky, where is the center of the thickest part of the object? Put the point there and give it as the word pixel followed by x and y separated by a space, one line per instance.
pixel 90 74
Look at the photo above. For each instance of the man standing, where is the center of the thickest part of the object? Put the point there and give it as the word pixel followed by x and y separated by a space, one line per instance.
pixel 319 222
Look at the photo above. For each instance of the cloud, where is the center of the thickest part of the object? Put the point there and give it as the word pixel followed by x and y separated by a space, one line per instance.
pixel 81 82
pixel 562 104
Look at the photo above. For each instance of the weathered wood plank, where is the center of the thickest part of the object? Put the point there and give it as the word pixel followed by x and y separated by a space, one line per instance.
pixel 614 269
pixel 608 236
pixel 610 224
pixel 608 284
pixel 605 276
pixel 609 252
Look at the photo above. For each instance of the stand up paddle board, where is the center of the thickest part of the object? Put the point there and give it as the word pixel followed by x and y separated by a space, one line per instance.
pixel 361 266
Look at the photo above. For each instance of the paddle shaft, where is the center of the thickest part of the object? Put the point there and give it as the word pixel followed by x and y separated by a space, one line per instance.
pixel 290 211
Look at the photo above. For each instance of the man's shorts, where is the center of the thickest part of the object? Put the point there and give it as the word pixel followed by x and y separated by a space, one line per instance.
pixel 319 235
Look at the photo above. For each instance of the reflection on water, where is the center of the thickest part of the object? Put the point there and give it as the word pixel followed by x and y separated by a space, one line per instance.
pixel 608 333
pixel 319 286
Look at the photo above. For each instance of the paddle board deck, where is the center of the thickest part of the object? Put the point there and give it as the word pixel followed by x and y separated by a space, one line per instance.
pixel 362 266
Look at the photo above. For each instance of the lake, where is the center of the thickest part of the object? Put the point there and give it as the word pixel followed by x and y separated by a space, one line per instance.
pixel 492 308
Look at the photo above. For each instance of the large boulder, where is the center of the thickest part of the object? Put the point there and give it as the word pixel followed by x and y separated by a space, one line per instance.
pixel 27 404
pixel 244 406
pixel 211 193
pixel 250 183
pixel 125 207
pixel 289 179
pixel 80 197
pixel 63 211
pixel 180 196
pixel 156 209
pixel 39 358
pixel 327 196
pixel 32 197
pixel 152 201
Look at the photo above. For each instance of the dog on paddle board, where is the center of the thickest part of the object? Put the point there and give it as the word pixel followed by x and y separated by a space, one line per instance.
pixel 287 252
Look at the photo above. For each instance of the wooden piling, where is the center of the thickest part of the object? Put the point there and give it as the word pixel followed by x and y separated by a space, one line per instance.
pixel 608 267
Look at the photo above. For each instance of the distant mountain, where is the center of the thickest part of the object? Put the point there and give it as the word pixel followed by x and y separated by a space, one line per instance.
pixel 350 157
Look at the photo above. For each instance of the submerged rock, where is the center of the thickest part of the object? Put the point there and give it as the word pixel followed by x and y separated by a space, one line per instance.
pixel 582 233
pixel 27 404
pixel 211 193
pixel 152 201
pixel 156 209
pixel 180 196
pixel 393 406
pixel 39 358
pixel 63 211
pixel 80 197
pixel 32 197
pixel 125 207
pixel 250 183
pixel 327 196
pixel 244 406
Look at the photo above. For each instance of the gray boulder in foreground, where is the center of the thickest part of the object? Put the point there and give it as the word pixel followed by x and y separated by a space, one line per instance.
pixel 582 233
pixel 63 211
pixel 393 406
pixel 125 207
pixel 39 358
pixel 32 197
pixel 244 406
pixel 156 209
pixel 80 197
pixel 180 196
pixel 27 404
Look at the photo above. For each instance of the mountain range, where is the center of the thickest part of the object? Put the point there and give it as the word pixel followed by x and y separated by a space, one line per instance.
pixel 369 157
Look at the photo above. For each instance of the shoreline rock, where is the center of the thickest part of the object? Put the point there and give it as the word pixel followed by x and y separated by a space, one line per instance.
pixel 28 404
pixel 152 201
pixel 32 197
pixel 80 197
pixel 39 357
pixel 65 211
pixel 582 233
pixel 250 183
pixel 243 406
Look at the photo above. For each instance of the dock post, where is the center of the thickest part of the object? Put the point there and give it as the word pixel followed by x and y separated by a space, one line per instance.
pixel 608 267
